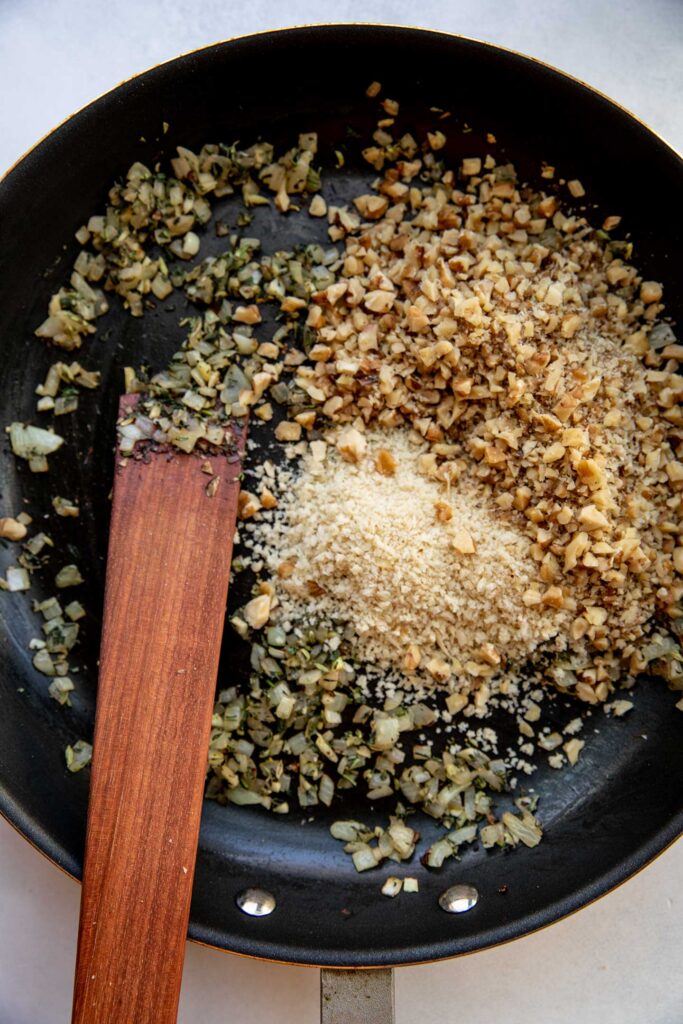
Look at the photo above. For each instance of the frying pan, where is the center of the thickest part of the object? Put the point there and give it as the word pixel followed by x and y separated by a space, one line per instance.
pixel 605 818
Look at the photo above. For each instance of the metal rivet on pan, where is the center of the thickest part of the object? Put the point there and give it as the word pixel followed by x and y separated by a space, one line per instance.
pixel 458 899
pixel 256 902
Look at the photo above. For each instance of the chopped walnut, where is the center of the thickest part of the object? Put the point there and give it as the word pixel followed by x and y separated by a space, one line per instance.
pixel 438 669
pixel 385 462
pixel 257 611
pixel 592 519
pixel 247 315
pixel 351 444
pixel 288 431
pixel 412 658
pixel 443 511
pixel 247 505
pixel 462 542
pixel 267 498
pixel 11 529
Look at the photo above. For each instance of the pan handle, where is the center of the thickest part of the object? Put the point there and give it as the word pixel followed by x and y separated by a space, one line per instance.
pixel 357 997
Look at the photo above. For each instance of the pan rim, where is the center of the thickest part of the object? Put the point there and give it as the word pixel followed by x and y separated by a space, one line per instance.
pixel 256 948
pixel 309 26
pixel 646 855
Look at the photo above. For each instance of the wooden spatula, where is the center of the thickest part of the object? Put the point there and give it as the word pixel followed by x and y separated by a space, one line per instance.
pixel 168 570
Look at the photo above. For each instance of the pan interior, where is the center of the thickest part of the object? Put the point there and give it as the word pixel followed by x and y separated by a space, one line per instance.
pixel 622 803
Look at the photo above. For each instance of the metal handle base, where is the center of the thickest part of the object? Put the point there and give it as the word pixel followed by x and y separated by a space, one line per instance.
pixel 357 997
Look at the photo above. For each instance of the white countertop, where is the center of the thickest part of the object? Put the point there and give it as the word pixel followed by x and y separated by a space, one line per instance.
pixel 617 961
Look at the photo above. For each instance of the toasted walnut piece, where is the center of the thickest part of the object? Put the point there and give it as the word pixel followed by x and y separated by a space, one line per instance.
pixel 11 529
pixel 351 444
pixel 678 559
pixel 610 223
pixel 385 463
pixel 553 597
pixel 247 314
pixel 306 419
pixel 489 654
pixel 286 569
pixel 585 692
pixel 573 748
pixel 437 140
pixel 531 597
pixel 288 431
pixel 592 519
pixel 412 658
pixel 462 542
pixel 334 292
pixel 417 319
pixel 438 669
pixel 426 464
pixel 318 450
pixel 430 355
pixel 570 325
pixel 548 422
pixel 566 406
pixel 576 188
pixel 577 546
pixel 443 511
pixel 471 165
pixel 575 437
pixel 379 301
pixel 578 628
pixel 596 615
pixel 455 702
pixel 522 498
pixel 373 89
pixel 267 498
pixel 554 295
pixel 264 412
pixel 674 471
pixel 291 304
pixel 590 473
pixel 320 353
pixel 247 505
pixel 332 406
pixel 315 318
pixel 372 207
pixel 550 568
pixel 650 291
pixel 257 611
pixel 554 452
pixel 494 456
pixel 317 207
pixel 374 155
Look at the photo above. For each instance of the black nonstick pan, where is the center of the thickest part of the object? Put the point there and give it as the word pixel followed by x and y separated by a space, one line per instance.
pixel 623 802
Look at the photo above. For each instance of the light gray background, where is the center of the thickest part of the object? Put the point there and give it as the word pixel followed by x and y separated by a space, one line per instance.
pixel 618 961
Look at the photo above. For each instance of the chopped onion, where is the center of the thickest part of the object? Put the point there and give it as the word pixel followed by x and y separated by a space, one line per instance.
pixel 29 442
pixel 68 576
pixel 364 858
pixel 78 756
pixel 17 579
pixel 524 830
pixel 347 831
pixel 43 662
pixel 392 886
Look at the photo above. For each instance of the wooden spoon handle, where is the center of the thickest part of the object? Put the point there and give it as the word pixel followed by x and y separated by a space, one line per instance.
pixel 167 581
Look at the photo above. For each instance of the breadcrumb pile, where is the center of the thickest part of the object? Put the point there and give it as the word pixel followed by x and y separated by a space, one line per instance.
pixel 432 580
